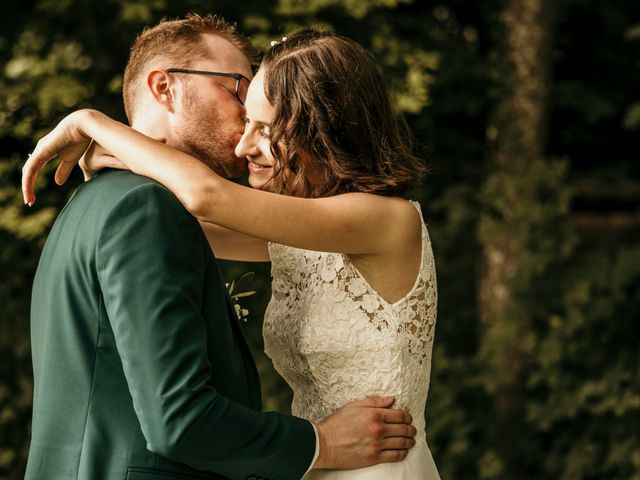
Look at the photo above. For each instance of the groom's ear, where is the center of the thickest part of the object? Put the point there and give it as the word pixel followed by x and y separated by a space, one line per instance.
pixel 161 85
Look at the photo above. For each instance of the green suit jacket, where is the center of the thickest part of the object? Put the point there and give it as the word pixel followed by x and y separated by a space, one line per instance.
pixel 141 370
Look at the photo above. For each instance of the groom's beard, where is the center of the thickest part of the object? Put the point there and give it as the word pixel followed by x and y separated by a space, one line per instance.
pixel 217 156
pixel 212 139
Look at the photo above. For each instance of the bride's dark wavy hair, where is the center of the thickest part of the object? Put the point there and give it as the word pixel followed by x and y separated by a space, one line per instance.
pixel 334 120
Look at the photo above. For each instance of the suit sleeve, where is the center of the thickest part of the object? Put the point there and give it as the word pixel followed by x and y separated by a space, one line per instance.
pixel 151 261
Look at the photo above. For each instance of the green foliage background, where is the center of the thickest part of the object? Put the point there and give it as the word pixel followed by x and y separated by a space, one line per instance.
pixel 580 268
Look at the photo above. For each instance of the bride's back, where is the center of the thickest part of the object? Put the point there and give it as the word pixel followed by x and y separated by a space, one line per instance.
pixel 335 339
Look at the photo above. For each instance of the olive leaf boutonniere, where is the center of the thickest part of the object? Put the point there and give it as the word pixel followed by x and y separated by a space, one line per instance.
pixel 235 292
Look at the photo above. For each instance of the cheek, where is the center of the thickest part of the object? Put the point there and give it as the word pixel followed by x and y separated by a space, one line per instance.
pixel 224 111
pixel 265 150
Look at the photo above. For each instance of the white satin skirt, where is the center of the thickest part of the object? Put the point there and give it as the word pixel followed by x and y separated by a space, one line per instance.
pixel 417 465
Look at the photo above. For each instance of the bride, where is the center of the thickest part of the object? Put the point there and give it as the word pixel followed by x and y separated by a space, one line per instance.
pixel 353 308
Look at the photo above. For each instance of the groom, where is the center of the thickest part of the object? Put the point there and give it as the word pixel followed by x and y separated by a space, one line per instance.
pixel 141 370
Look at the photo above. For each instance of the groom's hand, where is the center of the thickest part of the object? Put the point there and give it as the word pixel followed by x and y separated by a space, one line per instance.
pixel 363 433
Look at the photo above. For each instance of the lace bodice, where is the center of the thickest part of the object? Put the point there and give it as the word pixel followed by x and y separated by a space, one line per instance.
pixel 334 339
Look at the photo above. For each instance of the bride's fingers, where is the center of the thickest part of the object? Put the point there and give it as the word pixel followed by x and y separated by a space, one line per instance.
pixel 30 171
pixel 63 171
pixel 41 155
pixel 59 142
pixel 70 157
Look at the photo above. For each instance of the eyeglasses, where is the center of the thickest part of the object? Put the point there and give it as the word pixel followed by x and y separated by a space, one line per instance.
pixel 241 88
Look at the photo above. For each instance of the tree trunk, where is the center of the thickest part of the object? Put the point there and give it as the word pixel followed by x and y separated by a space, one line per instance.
pixel 516 138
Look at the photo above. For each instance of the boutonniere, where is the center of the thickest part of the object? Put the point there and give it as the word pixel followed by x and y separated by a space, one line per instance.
pixel 235 292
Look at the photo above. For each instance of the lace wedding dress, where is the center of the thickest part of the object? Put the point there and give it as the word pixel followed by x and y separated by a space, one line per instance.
pixel 334 339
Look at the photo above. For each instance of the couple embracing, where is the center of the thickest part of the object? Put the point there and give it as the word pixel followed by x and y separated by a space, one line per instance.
pixel 141 370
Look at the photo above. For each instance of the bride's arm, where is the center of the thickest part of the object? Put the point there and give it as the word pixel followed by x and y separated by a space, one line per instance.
pixel 229 245
pixel 354 223
pixel 225 244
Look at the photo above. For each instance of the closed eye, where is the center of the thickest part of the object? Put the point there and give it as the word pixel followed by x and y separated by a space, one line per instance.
pixel 265 132
pixel 262 129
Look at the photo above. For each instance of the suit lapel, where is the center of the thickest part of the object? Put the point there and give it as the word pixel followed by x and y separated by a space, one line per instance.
pixel 253 379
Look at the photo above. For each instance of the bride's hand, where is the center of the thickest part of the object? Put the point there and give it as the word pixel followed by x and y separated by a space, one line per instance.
pixel 97 158
pixel 66 141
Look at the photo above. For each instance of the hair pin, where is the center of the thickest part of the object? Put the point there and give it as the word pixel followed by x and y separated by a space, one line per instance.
pixel 276 42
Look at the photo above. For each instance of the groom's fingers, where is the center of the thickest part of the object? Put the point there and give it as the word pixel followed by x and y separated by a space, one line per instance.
pixel 396 416
pixel 398 443
pixel 399 430
pixel 388 456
